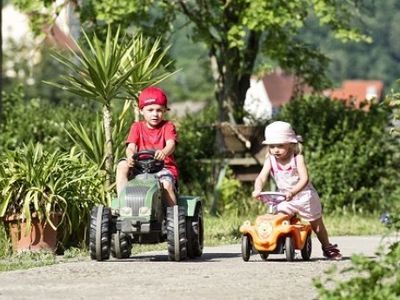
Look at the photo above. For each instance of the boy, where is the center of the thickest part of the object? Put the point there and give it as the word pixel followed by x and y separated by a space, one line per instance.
pixel 153 133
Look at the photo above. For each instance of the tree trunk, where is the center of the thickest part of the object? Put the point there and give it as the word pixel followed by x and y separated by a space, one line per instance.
pixel 232 70
pixel 107 120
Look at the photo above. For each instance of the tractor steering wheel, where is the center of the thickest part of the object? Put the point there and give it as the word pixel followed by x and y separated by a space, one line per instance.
pixel 146 163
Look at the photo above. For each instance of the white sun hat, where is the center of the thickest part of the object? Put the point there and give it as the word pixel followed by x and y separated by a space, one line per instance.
pixel 280 133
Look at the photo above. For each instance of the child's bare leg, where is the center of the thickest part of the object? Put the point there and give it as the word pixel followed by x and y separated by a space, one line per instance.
pixel 329 251
pixel 169 194
pixel 122 175
pixel 319 228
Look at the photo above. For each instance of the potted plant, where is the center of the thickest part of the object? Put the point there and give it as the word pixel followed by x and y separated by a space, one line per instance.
pixel 41 192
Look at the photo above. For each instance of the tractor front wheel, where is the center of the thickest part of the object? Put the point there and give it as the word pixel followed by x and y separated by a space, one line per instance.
pixel 121 245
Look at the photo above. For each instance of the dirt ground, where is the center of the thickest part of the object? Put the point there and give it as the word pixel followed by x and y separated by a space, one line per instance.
pixel 219 274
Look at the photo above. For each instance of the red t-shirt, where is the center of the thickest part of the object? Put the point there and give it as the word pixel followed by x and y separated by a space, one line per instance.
pixel 147 138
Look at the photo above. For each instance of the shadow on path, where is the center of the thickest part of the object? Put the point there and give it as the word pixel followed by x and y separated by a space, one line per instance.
pixel 210 257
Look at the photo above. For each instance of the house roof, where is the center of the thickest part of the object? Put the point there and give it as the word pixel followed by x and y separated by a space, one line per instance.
pixel 281 87
pixel 357 91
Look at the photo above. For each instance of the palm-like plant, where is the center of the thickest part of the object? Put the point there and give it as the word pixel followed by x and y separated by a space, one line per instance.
pixel 91 141
pixel 107 71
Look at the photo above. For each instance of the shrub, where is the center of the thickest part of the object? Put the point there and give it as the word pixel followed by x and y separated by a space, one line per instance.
pixel 196 145
pixel 370 278
pixel 39 121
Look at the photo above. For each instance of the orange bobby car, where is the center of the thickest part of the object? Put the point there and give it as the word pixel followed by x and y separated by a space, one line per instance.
pixel 275 233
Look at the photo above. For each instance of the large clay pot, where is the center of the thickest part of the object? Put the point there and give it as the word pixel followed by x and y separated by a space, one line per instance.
pixel 234 136
pixel 41 235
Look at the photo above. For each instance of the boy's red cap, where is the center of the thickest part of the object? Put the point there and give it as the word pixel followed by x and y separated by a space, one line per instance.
pixel 152 95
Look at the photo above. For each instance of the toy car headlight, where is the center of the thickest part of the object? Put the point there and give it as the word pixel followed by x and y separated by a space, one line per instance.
pixel 285 223
pixel 246 223
pixel 264 229
pixel 126 211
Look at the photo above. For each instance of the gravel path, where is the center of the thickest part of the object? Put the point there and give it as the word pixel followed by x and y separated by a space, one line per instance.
pixel 219 274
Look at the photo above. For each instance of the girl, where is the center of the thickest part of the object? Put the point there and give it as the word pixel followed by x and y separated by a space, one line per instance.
pixel 286 165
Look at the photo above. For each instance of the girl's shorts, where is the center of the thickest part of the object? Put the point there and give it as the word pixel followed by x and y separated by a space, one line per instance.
pixel 306 204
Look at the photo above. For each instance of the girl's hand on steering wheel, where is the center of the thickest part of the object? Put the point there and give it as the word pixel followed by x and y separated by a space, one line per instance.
pixel 288 195
pixel 256 194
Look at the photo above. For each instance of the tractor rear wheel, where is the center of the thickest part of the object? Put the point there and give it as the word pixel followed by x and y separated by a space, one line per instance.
pixel 121 245
pixel 100 233
pixel 195 233
pixel 176 233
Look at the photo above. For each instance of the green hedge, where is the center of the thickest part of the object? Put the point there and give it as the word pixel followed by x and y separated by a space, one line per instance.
pixel 352 158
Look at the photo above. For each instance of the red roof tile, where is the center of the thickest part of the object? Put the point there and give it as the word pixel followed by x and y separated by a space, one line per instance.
pixel 357 91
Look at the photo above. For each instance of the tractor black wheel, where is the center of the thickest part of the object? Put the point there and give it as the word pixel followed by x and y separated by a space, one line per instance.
pixel 246 247
pixel 264 255
pixel 195 233
pixel 121 245
pixel 307 249
pixel 100 233
pixel 289 248
pixel 176 233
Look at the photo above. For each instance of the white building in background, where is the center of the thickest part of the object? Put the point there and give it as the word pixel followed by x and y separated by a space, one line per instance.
pixel 257 103
pixel 20 45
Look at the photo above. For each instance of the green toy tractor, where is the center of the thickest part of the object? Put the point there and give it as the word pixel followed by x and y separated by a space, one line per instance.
pixel 139 215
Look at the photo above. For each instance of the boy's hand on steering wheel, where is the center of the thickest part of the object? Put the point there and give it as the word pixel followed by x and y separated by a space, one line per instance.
pixel 131 162
pixel 159 155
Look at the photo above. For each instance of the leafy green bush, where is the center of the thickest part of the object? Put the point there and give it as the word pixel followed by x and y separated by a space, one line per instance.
pixel 352 162
pixel 196 144
pixel 39 121
pixel 369 278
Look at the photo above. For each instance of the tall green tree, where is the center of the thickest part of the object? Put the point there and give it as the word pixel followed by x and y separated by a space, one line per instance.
pixel 237 33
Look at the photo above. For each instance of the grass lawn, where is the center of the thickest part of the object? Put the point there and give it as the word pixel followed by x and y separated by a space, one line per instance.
pixel 218 230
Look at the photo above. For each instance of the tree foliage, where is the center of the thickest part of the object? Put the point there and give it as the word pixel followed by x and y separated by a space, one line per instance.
pixel 376 60
pixel 236 33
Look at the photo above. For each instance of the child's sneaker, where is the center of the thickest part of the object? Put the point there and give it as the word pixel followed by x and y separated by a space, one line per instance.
pixel 332 252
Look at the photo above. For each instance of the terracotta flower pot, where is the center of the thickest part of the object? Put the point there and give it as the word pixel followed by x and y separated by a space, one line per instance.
pixel 41 235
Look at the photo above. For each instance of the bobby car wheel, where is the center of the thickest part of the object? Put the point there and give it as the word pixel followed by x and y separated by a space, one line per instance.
pixel 289 248
pixel 246 247
pixel 100 233
pixel 264 255
pixel 121 245
pixel 195 233
pixel 176 233
pixel 306 251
